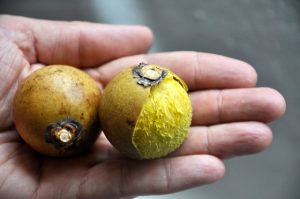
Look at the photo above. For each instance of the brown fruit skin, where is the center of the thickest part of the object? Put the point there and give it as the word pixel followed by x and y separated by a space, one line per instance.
pixel 120 121
pixel 51 95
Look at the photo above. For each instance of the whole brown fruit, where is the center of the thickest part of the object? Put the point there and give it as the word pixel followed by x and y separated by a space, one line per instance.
pixel 55 110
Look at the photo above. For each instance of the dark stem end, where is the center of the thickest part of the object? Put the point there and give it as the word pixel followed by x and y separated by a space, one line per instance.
pixel 64 134
pixel 148 74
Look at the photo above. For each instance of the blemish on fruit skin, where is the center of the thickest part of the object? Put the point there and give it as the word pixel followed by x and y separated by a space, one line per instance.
pixel 176 79
pixel 28 89
pixel 38 77
pixel 63 110
pixel 87 101
pixel 58 70
pixel 79 84
pixel 130 122
pixel 82 116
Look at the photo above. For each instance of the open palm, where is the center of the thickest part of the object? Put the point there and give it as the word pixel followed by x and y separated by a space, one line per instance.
pixel 229 113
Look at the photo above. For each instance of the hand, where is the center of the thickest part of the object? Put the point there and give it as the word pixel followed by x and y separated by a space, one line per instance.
pixel 229 113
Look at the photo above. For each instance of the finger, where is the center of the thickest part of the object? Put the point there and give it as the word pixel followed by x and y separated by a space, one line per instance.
pixel 226 140
pixel 101 150
pixel 198 70
pixel 161 176
pixel 252 104
pixel 76 43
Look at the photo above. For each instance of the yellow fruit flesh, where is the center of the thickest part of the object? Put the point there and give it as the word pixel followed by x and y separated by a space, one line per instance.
pixel 164 120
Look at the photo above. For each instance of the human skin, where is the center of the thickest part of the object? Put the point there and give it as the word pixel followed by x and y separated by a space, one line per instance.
pixel 230 114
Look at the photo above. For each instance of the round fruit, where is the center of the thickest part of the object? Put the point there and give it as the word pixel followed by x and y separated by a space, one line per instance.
pixel 55 110
pixel 145 111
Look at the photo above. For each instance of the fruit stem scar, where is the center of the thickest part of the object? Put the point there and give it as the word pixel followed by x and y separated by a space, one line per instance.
pixel 64 134
pixel 148 75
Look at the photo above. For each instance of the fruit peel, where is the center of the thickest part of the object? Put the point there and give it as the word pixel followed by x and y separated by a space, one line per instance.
pixel 143 119
pixel 164 120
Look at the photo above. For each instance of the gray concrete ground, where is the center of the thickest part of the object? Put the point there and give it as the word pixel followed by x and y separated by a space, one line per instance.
pixel 265 33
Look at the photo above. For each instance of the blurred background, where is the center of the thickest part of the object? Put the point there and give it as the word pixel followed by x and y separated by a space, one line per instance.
pixel 264 33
